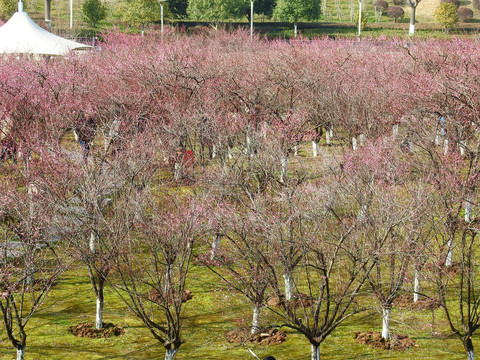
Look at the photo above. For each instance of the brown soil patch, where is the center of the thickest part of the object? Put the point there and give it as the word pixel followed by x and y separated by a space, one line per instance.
pixel 88 330
pixel 267 336
pixel 298 300
pixel 406 302
pixel 157 298
pixel 397 342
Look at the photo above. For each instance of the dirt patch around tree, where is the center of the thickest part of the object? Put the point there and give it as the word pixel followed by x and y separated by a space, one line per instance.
pixel 88 330
pixel 406 302
pixel 298 300
pixel 267 336
pixel 397 342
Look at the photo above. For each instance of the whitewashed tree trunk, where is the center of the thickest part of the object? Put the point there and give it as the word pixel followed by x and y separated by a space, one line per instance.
pixel 99 316
pixel 315 148
pixel 361 139
pixel 386 323
pixel 215 246
pixel 416 286
pixel 354 144
pixel 288 286
pixel 395 130
pixel 170 354
pixel 229 152
pixel 448 260
pixel 315 352
pixel 20 352
pixel 92 243
pixel 329 136
pixel 214 151
pixel 295 30
pixel 471 354
pixel 248 146
pixel 445 146
pixel 462 146
pixel 437 139
pixel 255 319
pixel 295 150
pixel 75 134
pixel 283 169
pixel 178 170
pixel 468 211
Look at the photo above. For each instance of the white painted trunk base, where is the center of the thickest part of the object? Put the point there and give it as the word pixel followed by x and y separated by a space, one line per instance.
pixel 255 320
pixel 21 353
pixel 386 323
pixel 295 150
pixel 395 130
pixel 468 211
pixel 315 352
pixel 445 146
pixel 288 286
pixel 214 151
pixel 361 139
pixel 471 355
pixel 354 144
pixel 294 30
pixel 328 136
pixel 315 148
pixel 170 354
pixel 437 139
pixel 416 286
pixel 283 169
pixel 411 30
pixel 462 146
pixel 215 246
pixel 99 316
pixel 92 242
pixel 448 260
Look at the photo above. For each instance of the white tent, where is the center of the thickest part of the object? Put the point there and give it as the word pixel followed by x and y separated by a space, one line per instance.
pixel 21 35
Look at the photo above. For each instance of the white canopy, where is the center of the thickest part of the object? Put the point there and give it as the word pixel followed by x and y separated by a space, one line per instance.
pixel 21 35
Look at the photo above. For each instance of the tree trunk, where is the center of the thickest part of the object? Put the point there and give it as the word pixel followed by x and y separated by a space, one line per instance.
pixel 255 319
pixel 92 243
pixel 412 20
pixel 288 286
pixel 295 150
pixel 395 130
pixel 170 353
pixel 99 315
pixel 416 286
pixel 354 144
pixel 437 139
pixel 315 148
pixel 329 136
pixel 315 351
pixel 468 211
pixel 469 349
pixel 283 170
pixel 463 146
pixel 445 146
pixel 20 352
pixel 361 139
pixel 448 260
pixel 215 245
pixel 248 146
pixel 386 323
pixel 295 29
pixel 48 4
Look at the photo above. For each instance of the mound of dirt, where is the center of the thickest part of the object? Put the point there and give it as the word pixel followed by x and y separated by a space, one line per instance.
pixel 298 300
pixel 406 302
pixel 267 336
pixel 88 330
pixel 397 342
pixel 158 298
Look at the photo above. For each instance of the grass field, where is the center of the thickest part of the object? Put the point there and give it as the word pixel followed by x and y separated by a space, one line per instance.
pixel 208 316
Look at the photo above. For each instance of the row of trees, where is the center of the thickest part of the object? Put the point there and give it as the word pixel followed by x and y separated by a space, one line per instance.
pixel 389 196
